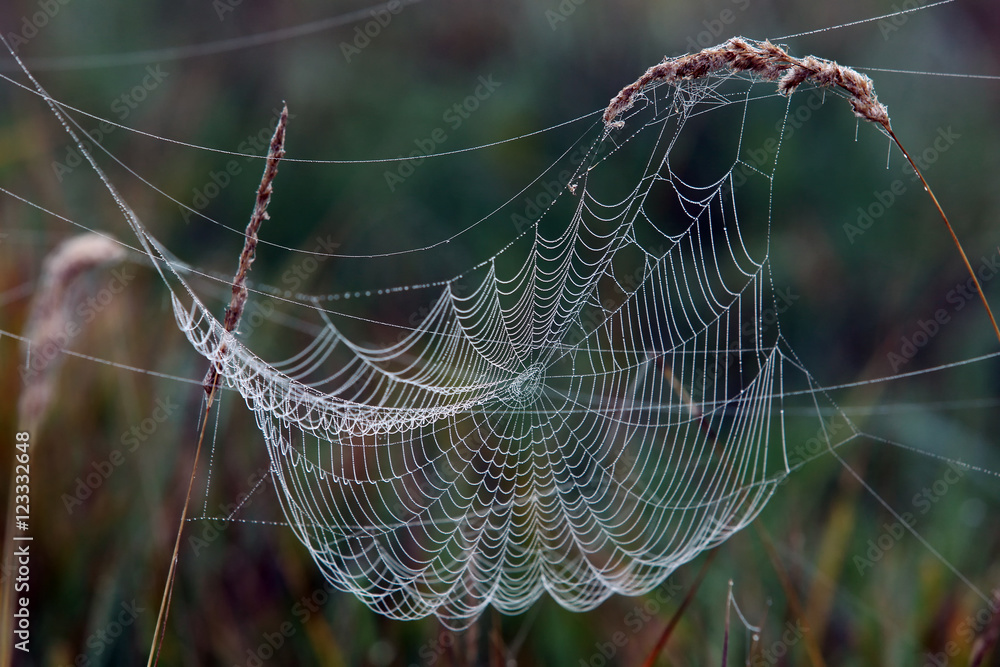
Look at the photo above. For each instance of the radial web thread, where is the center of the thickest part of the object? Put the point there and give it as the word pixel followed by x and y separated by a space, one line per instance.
pixel 581 424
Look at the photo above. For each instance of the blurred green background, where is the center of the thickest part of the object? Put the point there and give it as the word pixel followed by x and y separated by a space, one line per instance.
pixel 862 297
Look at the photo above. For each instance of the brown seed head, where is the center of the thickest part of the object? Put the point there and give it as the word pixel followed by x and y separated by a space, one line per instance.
pixel 764 59
pixel 50 325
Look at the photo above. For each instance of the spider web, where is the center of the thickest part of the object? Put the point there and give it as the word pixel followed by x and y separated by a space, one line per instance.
pixel 581 422
pixel 580 413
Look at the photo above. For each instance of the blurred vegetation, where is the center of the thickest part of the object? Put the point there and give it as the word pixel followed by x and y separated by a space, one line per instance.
pixel 859 299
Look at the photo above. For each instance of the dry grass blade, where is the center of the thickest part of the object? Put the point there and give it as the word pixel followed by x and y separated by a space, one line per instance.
pixel 772 63
pixel 725 639
pixel 812 647
pixel 47 333
pixel 233 313
pixel 50 318
pixel 235 309
pixel 676 618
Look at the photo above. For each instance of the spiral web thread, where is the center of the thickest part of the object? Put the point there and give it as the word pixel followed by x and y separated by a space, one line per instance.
pixel 582 424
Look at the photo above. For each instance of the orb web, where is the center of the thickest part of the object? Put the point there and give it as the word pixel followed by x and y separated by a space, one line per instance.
pixel 580 424
pixel 578 414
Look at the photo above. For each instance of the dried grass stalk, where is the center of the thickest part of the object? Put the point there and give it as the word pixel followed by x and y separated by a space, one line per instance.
pixel 50 323
pixel 769 62
pixel 772 63
pixel 234 311
pixel 211 384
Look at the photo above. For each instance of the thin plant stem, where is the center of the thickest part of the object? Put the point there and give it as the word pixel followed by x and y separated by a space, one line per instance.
pixel 675 619
pixel 725 639
pixel 951 231
pixel 212 379
pixel 168 590
pixel 812 649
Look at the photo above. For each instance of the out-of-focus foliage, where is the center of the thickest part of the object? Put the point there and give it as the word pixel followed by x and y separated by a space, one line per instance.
pixel 247 593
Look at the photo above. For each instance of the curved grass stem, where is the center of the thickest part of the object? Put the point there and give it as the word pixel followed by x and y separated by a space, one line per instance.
pixel 951 230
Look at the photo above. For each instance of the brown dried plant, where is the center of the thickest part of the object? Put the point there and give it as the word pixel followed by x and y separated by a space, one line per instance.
pixel 212 379
pixel 773 63
pixel 50 325
pixel 49 330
